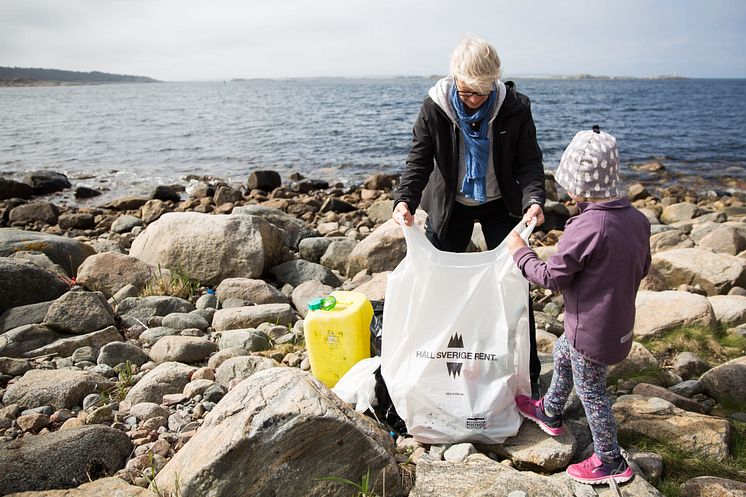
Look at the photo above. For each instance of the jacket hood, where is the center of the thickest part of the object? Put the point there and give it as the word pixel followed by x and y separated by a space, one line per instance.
pixel 440 93
pixel 620 203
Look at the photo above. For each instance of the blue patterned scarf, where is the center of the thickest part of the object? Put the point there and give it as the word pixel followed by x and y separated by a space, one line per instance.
pixel 477 144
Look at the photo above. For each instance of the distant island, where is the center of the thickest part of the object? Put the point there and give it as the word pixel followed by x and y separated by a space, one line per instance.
pixel 29 76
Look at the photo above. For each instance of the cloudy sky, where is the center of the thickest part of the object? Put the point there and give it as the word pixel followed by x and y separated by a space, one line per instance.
pixel 178 40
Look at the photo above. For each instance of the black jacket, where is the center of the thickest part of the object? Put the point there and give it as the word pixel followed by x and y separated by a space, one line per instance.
pixel 517 161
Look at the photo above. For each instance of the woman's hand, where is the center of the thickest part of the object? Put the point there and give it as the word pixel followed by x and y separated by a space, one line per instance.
pixel 515 242
pixel 534 211
pixel 403 209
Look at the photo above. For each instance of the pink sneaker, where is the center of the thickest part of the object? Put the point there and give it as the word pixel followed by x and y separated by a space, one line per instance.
pixel 595 472
pixel 534 410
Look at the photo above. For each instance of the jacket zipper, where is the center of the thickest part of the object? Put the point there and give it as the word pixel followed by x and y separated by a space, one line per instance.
pixel 454 140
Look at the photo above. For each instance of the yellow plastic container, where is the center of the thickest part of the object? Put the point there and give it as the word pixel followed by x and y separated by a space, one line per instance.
pixel 336 339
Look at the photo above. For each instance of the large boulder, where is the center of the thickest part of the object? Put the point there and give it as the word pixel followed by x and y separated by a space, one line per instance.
pixel 383 249
pixel 659 312
pixel 63 459
pixel 108 272
pixel 23 282
pixel 59 388
pixel 727 382
pixel 294 228
pixel 66 252
pixel 286 413
pixel 660 420
pixel 211 248
pixel 716 273
pixel 242 367
pixel 78 313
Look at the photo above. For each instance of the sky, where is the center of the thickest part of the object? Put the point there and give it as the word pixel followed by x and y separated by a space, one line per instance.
pixel 180 40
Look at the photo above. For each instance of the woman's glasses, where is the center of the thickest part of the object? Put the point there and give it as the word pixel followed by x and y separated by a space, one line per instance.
pixel 467 94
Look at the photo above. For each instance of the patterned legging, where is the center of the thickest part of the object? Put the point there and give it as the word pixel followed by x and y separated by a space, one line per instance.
pixel 589 378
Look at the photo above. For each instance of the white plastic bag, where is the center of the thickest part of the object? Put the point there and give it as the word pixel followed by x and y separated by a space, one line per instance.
pixel 455 347
pixel 358 385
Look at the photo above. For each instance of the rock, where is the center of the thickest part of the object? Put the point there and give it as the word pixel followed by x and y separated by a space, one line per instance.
pixel 660 420
pixel 44 212
pixel 531 449
pixel 647 390
pixel 637 191
pixel 383 249
pixel 381 181
pixel 24 314
pixel 211 248
pixel 668 240
pixel 265 180
pixel 312 248
pixel 109 272
pixel 65 252
pixel 297 271
pixel 650 463
pixel 148 410
pixel 459 452
pixel 19 341
pixel 14 189
pixel 716 273
pixel 169 377
pixel 286 412
pixel 127 203
pixel 688 365
pixel 85 192
pixel 374 288
pixel 253 316
pixel 115 353
pixel 712 486
pixel 41 260
pixel 43 182
pixel 61 388
pixel 639 358
pixel 688 388
pixel 334 204
pixel 111 486
pixel 246 340
pixel 23 282
pixel 185 320
pixel 725 240
pixel 337 255
pixel 682 211
pixel 78 313
pixel 251 290
pixel 730 310
pixel 32 422
pixel 152 210
pixel 242 367
pixel 189 350
pixel 76 220
pixel 125 224
pixel 64 347
pixel 726 383
pixel 307 291
pixel 14 367
pixel 381 211
pixel 144 308
pixel 659 312
pixel 79 454
pixel 295 230
pixel 152 335
pixel 165 192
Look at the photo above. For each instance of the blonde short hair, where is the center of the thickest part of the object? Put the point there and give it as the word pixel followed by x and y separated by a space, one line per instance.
pixel 475 63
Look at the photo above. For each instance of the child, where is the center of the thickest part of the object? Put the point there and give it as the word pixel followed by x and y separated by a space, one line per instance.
pixel 601 258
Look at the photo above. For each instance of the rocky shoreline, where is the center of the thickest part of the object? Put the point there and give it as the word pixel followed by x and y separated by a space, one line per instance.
pixel 154 346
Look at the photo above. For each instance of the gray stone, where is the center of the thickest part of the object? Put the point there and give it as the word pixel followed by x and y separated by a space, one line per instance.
pixel 185 320
pixel 712 486
pixel 146 307
pixel 79 454
pixel 297 271
pixel 311 249
pixel 23 282
pixel 682 211
pixel 716 273
pixel 126 203
pixel 531 448
pixel 380 212
pixel 185 349
pixel 14 189
pixel 253 316
pixel 41 260
pixel 14 367
pixel 19 341
pixel 337 255
pixel 293 229
pixel 659 312
pixel 84 354
pixel 111 486
pixel 79 313
pixel 727 382
pixel 65 252
pixel 375 288
pixel 265 180
pixel 125 224
pixel 43 182
pixel 639 358
pixel 64 347
pixel 248 340
pixel 730 310
pixel 688 388
pixel 242 367
pixel 58 388
pixel 307 291
pixel 24 314
pixel 668 240
pixel 148 410
pixel 76 220
pixel 44 212
pixel 211 248
pixel 152 335
pixel 166 378
pixel 679 401
pixel 688 365
pixel 254 291
pixel 724 240
pixel 318 435
pixel 152 210
pixel 115 353
pixel 207 301
pixel 459 452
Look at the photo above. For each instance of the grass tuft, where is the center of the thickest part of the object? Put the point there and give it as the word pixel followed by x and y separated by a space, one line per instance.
pixel 172 282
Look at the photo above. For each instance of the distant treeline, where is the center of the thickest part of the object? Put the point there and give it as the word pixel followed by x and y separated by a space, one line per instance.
pixel 12 76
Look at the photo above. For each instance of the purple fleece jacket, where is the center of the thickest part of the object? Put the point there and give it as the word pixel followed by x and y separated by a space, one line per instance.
pixel 600 260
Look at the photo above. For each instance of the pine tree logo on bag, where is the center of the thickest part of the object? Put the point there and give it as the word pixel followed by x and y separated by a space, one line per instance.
pixel 456 342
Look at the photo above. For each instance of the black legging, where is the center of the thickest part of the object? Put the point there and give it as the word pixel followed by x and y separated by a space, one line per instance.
pixel 496 224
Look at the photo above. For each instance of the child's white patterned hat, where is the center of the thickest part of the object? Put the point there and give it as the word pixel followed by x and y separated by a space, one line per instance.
pixel 590 165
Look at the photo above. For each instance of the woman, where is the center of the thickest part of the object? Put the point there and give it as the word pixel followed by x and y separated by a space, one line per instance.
pixel 474 157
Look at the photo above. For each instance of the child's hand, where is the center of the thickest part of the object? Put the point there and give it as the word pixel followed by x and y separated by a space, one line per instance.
pixel 515 242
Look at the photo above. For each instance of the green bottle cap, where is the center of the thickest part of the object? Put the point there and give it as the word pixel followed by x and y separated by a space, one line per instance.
pixel 325 304
pixel 315 304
